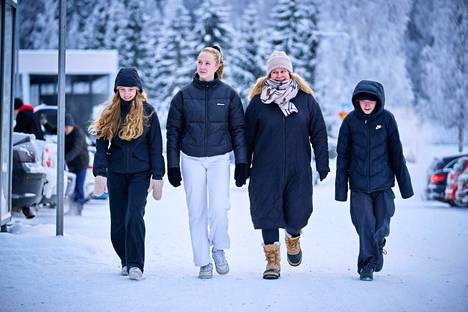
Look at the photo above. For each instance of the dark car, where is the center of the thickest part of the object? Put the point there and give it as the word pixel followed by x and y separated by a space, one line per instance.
pixel 452 180
pixel 462 190
pixel 437 176
pixel 28 173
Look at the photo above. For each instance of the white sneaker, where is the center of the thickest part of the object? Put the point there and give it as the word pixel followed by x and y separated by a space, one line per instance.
pixel 135 274
pixel 206 271
pixel 124 271
pixel 221 264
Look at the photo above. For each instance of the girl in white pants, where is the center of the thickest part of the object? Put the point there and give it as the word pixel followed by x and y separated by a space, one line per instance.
pixel 206 182
pixel 205 123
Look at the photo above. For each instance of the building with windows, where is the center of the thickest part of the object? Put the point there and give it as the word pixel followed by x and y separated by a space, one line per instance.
pixel 90 76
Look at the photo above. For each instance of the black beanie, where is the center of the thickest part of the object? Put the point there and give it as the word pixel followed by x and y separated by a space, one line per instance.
pixel 128 77
pixel 69 121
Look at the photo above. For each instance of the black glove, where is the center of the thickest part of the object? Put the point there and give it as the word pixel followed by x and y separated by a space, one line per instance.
pixel 241 173
pixel 174 176
pixel 323 175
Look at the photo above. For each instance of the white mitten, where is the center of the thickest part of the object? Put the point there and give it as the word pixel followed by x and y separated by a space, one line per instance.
pixel 100 185
pixel 157 187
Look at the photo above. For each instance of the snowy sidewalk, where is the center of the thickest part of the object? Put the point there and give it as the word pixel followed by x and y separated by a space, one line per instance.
pixel 426 268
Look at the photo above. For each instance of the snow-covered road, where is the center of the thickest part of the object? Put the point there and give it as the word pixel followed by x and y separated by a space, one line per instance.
pixel 426 268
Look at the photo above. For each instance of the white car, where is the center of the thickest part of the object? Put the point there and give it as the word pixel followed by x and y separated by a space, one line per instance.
pixel 48 114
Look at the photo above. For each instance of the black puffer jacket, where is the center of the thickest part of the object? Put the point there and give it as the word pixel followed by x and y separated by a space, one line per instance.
pixel 205 119
pixel 370 153
pixel 76 150
pixel 141 154
pixel 280 187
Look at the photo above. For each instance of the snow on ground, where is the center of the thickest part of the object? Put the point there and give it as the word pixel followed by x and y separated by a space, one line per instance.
pixel 426 268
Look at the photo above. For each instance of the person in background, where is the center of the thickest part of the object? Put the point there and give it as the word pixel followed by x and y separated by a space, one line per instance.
pixel 370 156
pixel 26 121
pixel 283 119
pixel 129 163
pixel 77 159
pixel 205 123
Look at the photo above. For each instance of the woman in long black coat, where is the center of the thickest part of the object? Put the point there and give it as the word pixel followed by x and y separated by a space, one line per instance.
pixel 282 120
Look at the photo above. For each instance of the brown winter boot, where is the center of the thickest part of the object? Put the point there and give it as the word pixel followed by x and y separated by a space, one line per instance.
pixel 293 245
pixel 273 258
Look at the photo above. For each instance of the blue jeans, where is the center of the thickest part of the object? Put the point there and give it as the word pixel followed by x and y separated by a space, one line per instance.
pixel 78 196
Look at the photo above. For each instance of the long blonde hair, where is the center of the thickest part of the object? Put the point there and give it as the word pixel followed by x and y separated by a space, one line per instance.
pixel 107 125
pixel 257 88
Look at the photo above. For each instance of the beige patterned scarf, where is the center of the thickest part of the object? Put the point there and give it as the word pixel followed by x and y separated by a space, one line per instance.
pixel 280 92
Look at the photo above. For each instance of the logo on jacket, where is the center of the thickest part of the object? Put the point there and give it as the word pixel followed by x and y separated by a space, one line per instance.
pixel 220 104
pixel 378 127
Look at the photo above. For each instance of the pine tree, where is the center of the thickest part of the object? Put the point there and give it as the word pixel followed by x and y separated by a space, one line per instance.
pixel 293 24
pixel 445 67
pixel 176 63
pixel 247 63
pixel 150 63
pixel 131 42
pixel 417 40
pixel 212 25
pixel 38 20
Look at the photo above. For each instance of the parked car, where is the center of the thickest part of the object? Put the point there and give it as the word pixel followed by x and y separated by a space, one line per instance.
pixel 47 114
pixel 28 173
pixel 452 180
pixel 437 177
pixel 49 160
pixel 461 197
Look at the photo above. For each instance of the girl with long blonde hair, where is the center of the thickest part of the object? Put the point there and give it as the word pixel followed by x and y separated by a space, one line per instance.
pixel 128 163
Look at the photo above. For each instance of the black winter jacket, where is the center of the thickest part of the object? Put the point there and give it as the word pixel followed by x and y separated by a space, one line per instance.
pixel 280 187
pixel 141 154
pixel 205 119
pixel 26 122
pixel 76 150
pixel 370 153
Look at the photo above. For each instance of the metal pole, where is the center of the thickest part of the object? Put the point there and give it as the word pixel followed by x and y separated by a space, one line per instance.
pixel 61 116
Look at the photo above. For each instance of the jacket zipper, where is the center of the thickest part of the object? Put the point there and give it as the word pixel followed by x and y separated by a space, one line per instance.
pixel 206 122
pixel 284 149
pixel 369 156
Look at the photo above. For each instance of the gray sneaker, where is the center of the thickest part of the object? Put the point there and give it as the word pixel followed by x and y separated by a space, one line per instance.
pixel 206 271
pixel 221 264
pixel 124 271
pixel 135 274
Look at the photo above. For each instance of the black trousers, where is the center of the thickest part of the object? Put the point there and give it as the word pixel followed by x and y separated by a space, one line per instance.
pixel 370 214
pixel 271 236
pixel 127 200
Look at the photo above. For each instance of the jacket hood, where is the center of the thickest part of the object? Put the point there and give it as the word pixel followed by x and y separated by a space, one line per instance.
pixel 370 87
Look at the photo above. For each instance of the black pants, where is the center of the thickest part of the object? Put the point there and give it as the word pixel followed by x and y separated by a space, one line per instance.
pixel 272 235
pixel 127 200
pixel 370 214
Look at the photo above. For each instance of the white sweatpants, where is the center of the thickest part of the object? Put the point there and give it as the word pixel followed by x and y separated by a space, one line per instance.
pixel 206 183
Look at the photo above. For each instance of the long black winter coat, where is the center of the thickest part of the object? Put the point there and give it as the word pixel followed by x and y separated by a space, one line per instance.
pixel 205 119
pixel 141 154
pixel 280 187
pixel 370 153
pixel 76 150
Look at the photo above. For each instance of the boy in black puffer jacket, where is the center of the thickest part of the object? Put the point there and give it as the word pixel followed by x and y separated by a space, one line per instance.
pixel 370 156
